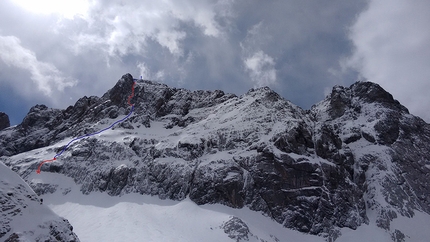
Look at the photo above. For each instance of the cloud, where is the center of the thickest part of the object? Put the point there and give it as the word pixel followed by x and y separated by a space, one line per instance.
pixel 45 75
pixel 67 9
pixel 261 69
pixel 171 40
pixel 259 65
pixel 232 45
pixel 392 48
pixel 146 74
pixel 122 29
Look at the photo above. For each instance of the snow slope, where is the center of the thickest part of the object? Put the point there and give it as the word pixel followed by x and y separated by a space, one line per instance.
pixel 133 217
pixel 23 217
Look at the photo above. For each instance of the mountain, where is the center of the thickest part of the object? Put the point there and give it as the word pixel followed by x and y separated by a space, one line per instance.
pixel 356 161
pixel 23 216
pixel 4 121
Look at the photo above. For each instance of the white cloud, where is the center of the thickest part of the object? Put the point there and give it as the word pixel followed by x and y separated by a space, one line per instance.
pixel 45 75
pixel 66 8
pixel 261 69
pixel 146 74
pixel 257 36
pixel 170 40
pixel 259 65
pixel 392 48
pixel 121 29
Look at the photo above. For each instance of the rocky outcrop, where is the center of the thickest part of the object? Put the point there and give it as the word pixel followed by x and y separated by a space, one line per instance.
pixel 236 229
pixel 4 121
pixel 315 171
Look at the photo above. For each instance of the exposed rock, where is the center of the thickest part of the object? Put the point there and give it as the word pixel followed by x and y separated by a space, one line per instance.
pixel 398 236
pixel 340 101
pixel 4 121
pixel 236 229
pixel 373 93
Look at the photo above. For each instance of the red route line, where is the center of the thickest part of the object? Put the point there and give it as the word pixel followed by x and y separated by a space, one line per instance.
pixel 55 157
pixel 131 95
pixel 43 162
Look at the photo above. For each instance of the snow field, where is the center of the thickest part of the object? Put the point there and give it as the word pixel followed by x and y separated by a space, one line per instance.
pixel 135 217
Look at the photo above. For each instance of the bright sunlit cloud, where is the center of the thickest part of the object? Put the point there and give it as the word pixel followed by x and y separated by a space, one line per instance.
pixel 66 8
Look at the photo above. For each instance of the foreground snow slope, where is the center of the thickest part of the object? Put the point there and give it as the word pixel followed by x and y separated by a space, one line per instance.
pixel 23 217
pixel 133 217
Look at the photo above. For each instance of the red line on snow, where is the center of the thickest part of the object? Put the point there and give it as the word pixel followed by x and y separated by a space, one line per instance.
pixel 43 162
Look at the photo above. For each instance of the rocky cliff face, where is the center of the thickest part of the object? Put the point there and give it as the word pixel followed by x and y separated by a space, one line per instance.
pixel 4 121
pixel 357 157
pixel 380 145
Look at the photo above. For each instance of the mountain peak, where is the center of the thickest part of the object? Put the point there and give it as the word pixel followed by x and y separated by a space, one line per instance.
pixel 351 99
pixel 4 121
pixel 373 93
pixel 119 93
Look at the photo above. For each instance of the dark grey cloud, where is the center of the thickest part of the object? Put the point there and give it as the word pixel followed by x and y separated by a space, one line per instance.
pixel 298 48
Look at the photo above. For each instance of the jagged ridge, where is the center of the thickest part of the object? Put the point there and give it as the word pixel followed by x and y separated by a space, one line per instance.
pixel 315 171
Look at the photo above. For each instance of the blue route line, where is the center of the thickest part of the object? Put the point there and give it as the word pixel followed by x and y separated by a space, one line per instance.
pixel 98 132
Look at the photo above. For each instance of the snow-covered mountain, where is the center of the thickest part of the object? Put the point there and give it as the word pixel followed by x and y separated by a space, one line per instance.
pixel 356 163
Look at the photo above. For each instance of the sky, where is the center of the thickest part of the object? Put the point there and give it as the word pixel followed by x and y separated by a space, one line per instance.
pixel 53 52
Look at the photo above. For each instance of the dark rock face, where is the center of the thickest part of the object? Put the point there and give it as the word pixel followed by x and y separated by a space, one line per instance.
pixel 340 101
pixel 314 171
pixel 236 229
pixel 118 95
pixel 373 93
pixel 4 121
pixel 225 188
